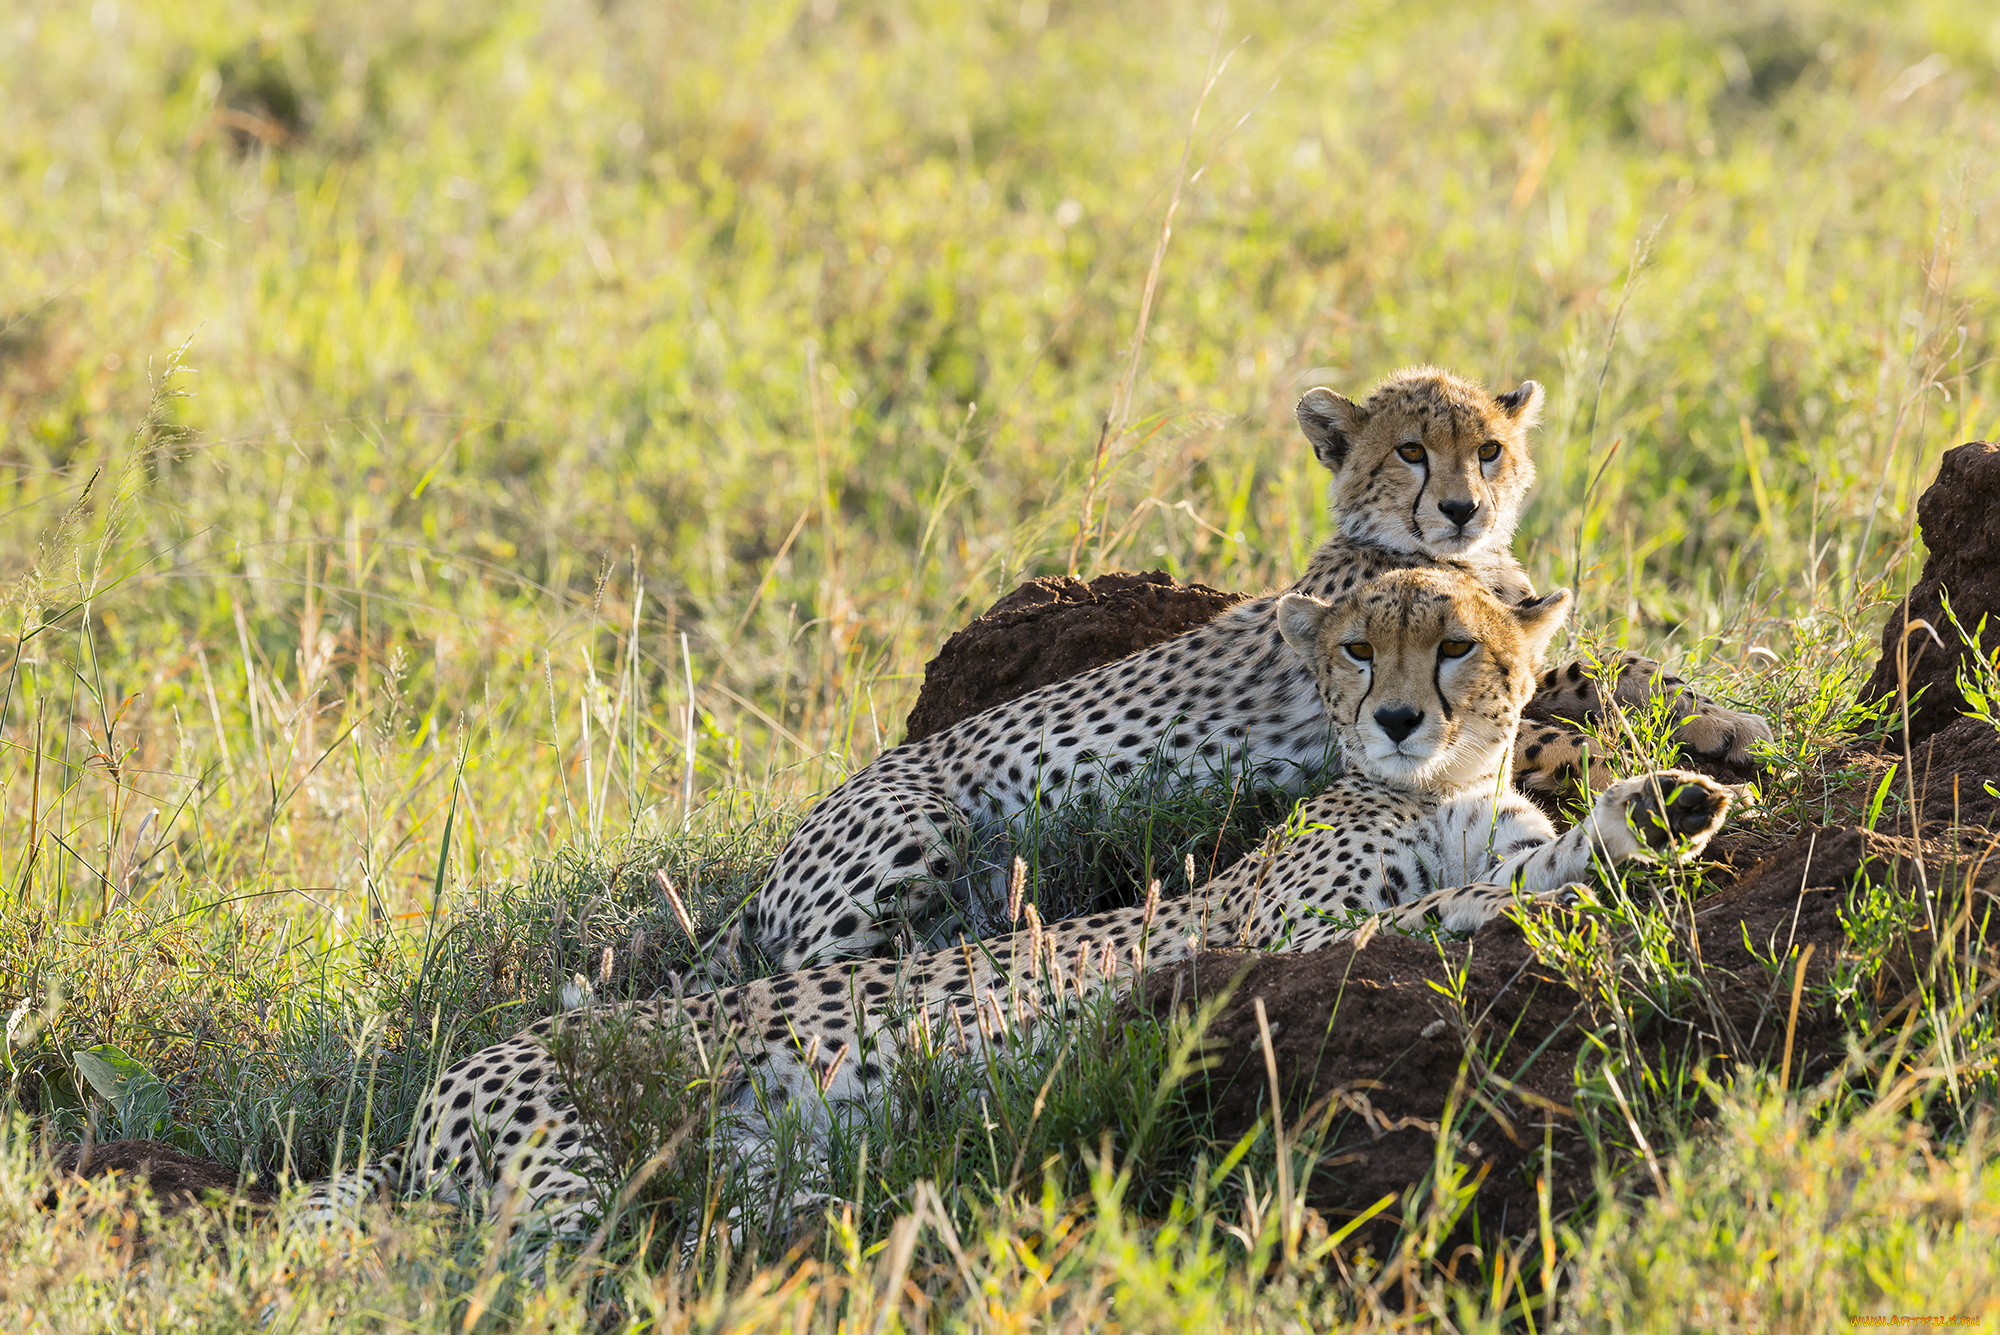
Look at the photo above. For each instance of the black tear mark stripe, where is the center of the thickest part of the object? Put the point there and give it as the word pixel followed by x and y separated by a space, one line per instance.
pixel 1416 530
pixel 1437 682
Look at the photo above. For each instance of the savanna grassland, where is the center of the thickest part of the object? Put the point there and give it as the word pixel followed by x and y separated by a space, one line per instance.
pixel 457 462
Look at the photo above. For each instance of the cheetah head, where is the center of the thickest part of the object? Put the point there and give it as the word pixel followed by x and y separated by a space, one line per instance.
pixel 1429 462
pixel 1424 673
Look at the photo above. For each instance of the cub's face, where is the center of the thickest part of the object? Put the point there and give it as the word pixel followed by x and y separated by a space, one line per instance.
pixel 1429 462
pixel 1424 673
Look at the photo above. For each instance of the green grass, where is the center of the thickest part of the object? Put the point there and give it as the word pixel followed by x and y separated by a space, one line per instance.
pixel 459 462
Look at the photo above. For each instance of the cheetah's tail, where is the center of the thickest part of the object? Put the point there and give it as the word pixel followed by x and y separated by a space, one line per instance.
pixel 341 1198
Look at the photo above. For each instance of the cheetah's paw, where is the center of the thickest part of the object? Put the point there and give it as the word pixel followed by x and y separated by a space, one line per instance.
pixel 1661 811
pixel 1717 733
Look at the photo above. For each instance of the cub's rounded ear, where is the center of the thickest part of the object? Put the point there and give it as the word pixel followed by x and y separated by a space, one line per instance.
pixel 1330 423
pixel 1540 619
pixel 1300 615
pixel 1523 403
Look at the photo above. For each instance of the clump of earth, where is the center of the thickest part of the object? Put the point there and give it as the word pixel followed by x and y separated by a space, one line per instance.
pixel 1050 629
pixel 177 1181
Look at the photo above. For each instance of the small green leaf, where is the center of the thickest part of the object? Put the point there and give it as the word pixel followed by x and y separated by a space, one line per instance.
pixel 1881 795
pixel 110 1070
pixel 135 1094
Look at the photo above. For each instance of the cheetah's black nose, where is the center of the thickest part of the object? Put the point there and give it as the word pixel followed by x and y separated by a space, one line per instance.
pixel 1399 722
pixel 1458 512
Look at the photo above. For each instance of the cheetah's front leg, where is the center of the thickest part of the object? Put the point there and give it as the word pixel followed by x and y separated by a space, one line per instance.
pixel 1467 908
pixel 1671 810
pixel 1668 810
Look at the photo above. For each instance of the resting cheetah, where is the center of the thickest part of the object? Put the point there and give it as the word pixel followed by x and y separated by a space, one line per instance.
pixel 1423 674
pixel 1429 471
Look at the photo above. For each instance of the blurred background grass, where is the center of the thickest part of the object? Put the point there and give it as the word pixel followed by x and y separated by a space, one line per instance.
pixel 549 368
pixel 804 322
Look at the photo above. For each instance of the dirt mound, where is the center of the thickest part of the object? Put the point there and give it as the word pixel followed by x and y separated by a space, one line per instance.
pixel 1371 1034
pixel 1949 774
pixel 177 1180
pixel 1959 516
pixel 1049 629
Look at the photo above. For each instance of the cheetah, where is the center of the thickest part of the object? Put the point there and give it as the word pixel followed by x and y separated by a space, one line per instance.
pixel 1422 674
pixel 1429 471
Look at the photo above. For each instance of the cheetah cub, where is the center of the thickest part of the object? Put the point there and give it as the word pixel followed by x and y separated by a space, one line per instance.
pixel 1422 674
pixel 1430 471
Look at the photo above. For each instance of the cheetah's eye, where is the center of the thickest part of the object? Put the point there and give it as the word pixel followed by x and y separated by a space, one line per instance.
pixel 1454 648
pixel 1360 650
pixel 1411 453
pixel 1489 451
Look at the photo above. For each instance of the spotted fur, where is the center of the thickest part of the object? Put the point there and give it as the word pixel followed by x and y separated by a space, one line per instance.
pixel 1422 674
pixel 1430 471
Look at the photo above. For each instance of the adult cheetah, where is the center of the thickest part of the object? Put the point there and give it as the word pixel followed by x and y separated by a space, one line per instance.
pixel 1423 674
pixel 1429 471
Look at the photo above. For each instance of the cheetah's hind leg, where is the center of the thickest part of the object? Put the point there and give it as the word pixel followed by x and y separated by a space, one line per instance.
pixel 1584 691
pixel 1553 756
pixel 865 869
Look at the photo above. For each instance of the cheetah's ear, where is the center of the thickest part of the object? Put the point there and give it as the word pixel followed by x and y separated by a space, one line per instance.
pixel 1540 619
pixel 1330 422
pixel 1522 403
pixel 1300 616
